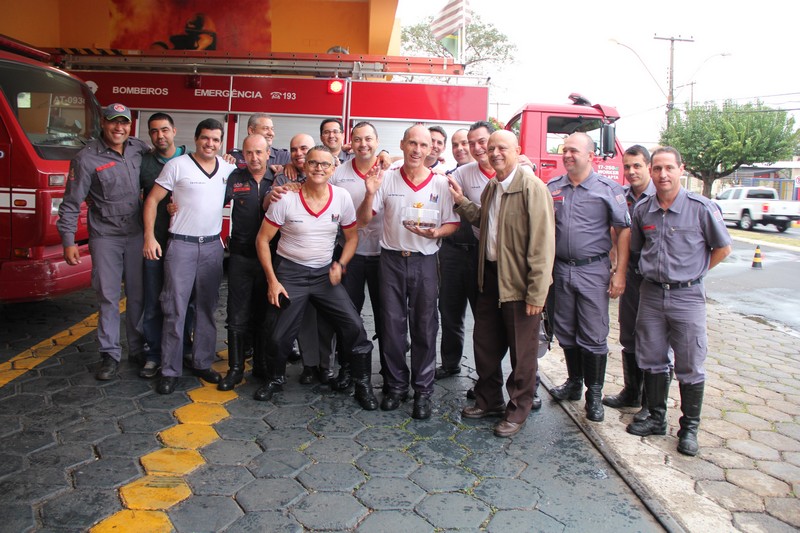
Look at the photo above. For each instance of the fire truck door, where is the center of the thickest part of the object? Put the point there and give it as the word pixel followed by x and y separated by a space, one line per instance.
pixel 5 192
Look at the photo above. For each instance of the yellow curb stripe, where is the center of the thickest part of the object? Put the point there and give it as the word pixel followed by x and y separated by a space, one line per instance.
pixel 154 493
pixel 172 462
pixel 150 521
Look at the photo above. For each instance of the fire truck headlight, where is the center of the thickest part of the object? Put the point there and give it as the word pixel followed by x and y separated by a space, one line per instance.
pixel 57 180
pixel 54 205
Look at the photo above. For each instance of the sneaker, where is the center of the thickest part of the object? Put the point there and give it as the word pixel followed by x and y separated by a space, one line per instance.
pixel 150 370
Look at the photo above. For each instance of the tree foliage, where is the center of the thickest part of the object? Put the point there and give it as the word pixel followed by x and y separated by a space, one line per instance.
pixel 484 45
pixel 715 141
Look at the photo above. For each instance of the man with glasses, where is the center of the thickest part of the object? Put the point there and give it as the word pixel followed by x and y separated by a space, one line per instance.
pixel 331 133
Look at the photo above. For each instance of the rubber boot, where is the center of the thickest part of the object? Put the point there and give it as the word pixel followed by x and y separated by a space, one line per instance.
pixel 594 374
pixel 631 393
pixel 642 414
pixel 276 379
pixel 656 387
pixel 235 362
pixel 343 381
pixel 573 387
pixel 361 368
pixel 691 404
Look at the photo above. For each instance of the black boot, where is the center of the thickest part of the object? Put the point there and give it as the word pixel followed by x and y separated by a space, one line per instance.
pixel 235 362
pixel 361 367
pixel 594 375
pixel 573 387
pixel 642 414
pixel 691 404
pixel 343 381
pixel 276 379
pixel 260 343
pixel 537 402
pixel 656 387
pixel 631 393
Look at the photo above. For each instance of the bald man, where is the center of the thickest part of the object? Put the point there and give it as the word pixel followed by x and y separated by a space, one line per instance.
pixel 515 264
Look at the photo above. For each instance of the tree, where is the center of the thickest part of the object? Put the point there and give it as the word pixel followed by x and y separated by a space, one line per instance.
pixel 484 45
pixel 715 141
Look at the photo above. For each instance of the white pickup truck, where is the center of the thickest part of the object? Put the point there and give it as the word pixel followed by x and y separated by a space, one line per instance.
pixel 750 206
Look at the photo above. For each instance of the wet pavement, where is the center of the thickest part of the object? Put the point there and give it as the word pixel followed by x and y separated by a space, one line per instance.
pixel 77 454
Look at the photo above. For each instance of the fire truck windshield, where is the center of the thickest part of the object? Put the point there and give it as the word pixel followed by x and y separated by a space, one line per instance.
pixel 58 113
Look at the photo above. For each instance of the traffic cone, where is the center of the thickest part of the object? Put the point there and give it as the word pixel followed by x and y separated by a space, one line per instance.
pixel 757 258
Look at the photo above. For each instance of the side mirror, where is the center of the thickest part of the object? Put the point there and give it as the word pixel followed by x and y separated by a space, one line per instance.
pixel 608 140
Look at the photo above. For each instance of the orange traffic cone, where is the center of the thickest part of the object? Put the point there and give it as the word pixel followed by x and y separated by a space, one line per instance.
pixel 757 258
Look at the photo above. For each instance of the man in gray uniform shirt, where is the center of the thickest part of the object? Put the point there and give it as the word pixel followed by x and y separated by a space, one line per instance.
pixel 587 205
pixel 105 173
pixel 680 236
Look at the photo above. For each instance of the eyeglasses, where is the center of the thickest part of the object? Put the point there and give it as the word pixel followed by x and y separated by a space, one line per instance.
pixel 324 165
pixel 331 132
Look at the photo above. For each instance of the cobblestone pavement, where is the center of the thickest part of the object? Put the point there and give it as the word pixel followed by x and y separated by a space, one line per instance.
pixel 78 454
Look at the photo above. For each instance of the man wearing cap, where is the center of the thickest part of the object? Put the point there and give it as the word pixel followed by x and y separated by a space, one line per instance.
pixel 105 174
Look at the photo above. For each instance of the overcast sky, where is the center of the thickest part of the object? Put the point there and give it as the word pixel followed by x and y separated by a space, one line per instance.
pixel 566 47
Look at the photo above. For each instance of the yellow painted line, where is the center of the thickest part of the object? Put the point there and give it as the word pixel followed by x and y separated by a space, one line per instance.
pixel 154 493
pixel 172 462
pixel 201 413
pixel 134 520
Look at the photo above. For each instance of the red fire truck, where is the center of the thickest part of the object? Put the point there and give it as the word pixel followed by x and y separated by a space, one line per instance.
pixel 46 116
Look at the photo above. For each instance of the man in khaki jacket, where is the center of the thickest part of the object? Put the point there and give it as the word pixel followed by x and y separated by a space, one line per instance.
pixel 515 264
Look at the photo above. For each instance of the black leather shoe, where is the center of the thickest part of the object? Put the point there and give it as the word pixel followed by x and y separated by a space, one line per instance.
pixel 326 376
pixel 307 375
pixel 108 369
pixel 295 355
pixel 267 391
pixel 422 408
pixel 149 370
pixel 475 412
pixel 537 402
pixel 392 400
pixel 166 385
pixel 207 374
pixel 442 372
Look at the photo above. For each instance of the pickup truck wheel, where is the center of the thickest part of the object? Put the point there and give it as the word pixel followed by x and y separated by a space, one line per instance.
pixel 746 223
pixel 782 226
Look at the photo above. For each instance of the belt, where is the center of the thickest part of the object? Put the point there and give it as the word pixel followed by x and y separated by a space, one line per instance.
pixel 192 238
pixel 401 253
pixel 673 286
pixel 464 246
pixel 581 262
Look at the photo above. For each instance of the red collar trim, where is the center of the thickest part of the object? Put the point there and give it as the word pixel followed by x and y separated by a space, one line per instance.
pixel 415 188
pixel 308 209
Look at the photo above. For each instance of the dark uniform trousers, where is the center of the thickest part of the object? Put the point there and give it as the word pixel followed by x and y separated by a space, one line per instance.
pixel 247 293
pixel 312 286
pixel 361 270
pixel 458 286
pixel 629 308
pixel 410 287
pixel 581 308
pixel 501 329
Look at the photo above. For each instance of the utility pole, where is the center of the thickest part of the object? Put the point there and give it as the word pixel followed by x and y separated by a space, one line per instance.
pixel 671 96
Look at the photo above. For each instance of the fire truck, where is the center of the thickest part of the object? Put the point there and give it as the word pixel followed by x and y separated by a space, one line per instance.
pixel 46 117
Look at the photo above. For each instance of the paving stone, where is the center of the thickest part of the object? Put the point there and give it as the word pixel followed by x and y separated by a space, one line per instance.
pixel 241 428
pixel 128 445
pixel 296 416
pixel 26 442
pixel 697 469
pixel 218 480
pixel 335 450
pixel 790 408
pixel 390 493
pixel 760 523
pixel 51 419
pixel 453 510
pixel 90 430
pixel 66 370
pixel 380 418
pixel 438 477
pixel 266 521
pixel 730 496
pixel 230 452
pixel 22 488
pixel 331 477
pixel 724 428
pixel 204 513
pixel 508 493
pixel 768 413
pixel 80 509
pixel 164 402
pixel 337 404
pixel 21 404
pixel 494 465
pixel 269 494
pixel 387 463
pixel 106 473
pixel 384 438
pixel 336 426
pixel 295 396
pixel 792 457
pixel 434 428
pixel 247 407
pixel 10 464
pixel 9 424
pixel 785 509
pixel 523 522
pixel 18 517
pixel 438 451
pixel 754 450
pixel 48 385
pixel 394 521
pixel 288 463
pixel 748 421
pixel 758 483
pixel 147 422
pixel 63 456
pixel 286 439
pixel 776 441
pixel 329 510
pixel 781 470
pixel 482 441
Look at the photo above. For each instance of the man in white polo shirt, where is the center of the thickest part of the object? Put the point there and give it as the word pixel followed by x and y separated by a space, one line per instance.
pixel 408 267
pixel 193 259
pixel 303 273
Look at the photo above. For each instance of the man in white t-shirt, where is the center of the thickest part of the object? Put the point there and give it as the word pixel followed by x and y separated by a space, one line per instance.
pixel 304 274
pixel 408 266
pixel 193 259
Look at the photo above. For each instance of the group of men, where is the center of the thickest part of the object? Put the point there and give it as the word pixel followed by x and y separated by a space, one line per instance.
pixel 313 225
